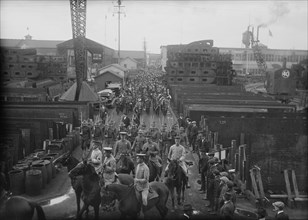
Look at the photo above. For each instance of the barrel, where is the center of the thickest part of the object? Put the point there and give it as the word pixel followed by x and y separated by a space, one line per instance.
pixel 17 181
pixel 40 152
pixel 53 168
pixel 34 182
pixel 42 168
pixel 22 166
pixel 47 162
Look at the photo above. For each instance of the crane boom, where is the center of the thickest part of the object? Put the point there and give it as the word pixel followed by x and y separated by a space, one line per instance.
pixel 78 18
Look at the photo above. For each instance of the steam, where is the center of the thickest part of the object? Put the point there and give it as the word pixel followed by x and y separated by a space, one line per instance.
pixel 277 10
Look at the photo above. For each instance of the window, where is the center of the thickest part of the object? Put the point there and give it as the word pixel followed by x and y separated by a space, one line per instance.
pixel 173 71
pixel 97 56
pixel 196 50
pixel 191 79
pixel 125 65
pixel 171 79
pixel 29 74
pixel 204 80
pixel 23 66
pixel 17 73
pixel 205 72
pixel 181 72
pixel 180 64
pixel 180 79
pixel 205 50
pixel 193 72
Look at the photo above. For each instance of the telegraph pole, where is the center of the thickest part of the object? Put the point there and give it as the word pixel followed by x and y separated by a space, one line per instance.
pixel 119 17
pixel 145 53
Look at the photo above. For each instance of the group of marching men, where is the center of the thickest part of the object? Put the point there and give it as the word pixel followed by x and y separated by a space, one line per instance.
pixel 152 144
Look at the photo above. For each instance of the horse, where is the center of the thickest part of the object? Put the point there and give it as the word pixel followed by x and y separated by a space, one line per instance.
pixel 155 173
pixel 176 179
pixel 124 165
pixel 130 206
pixel 90 187
pixel 17 207
pixel 67 160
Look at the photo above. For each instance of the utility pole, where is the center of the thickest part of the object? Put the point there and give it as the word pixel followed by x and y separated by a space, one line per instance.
pixel 119 17
pixel 145 53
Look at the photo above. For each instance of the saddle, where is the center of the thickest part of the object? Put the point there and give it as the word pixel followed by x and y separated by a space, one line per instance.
pixel 151 195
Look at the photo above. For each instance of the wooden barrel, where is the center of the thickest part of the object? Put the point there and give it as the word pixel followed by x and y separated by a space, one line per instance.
pixel 42 168
pixel 47 162
pixel 34 182
pixel 40 152
pixel 17 181
pixel 53 156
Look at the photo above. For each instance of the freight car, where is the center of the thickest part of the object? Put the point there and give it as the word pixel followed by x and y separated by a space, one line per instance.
pixel 281 84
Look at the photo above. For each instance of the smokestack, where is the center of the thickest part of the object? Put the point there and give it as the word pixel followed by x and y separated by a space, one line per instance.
pixel 258 33
pixel 284 63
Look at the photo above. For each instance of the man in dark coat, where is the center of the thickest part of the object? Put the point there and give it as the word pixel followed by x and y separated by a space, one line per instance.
pixel 193 135
pixel 181 121
pixel 203 166
pixel 228 208
pixel 126 120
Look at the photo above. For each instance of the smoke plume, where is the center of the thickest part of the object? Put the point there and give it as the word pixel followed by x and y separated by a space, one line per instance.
pixel 277 10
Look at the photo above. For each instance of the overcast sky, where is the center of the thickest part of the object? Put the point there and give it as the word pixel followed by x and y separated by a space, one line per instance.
pixel 161 22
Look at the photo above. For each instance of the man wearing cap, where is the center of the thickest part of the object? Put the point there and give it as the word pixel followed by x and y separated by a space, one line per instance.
pixel 181 121
pixel 97 132
pixel 85 136
pixel 122 146
pixel 109 166
pixel 165 140
pixel 141 180
pixel 138 143
pixel 193 135
pixel 228 208
pixel 202 144
pixel 151 149
pixel 155 134
pixel 178 152
pixel 96 158
pixel 223 187
pixel 280 214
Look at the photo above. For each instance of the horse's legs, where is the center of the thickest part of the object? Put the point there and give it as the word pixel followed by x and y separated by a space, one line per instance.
pixel 78 194
pixel 96 210
pixel 84 207
pixel 183 189
pixel 178 192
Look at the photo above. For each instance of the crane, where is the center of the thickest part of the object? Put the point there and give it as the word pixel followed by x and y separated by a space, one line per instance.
pixel 78 18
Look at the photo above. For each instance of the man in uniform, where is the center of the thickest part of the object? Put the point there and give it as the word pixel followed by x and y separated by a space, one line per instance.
pixel 151 149
pixel 110 134
pixel 141 180
pixel 122 146
pixel 178 152
pixel 97 132
pixel 165 142
pixel 85 136
pixel 138 143
pixel 181 121
pixel 193 135
pixel 109 166
pixel 155 135
pixel 126 120
pixel 96 158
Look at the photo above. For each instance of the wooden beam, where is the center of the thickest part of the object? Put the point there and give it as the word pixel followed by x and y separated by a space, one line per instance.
pixel 260 183
pixel 295 184
pixel 286 178
pixel 254 184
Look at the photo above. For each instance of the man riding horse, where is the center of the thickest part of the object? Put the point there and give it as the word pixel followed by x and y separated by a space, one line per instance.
pixel 152 150
pixel 141 180
pixel 177 152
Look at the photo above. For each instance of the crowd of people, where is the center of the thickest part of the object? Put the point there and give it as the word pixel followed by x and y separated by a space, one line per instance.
pixel 140 144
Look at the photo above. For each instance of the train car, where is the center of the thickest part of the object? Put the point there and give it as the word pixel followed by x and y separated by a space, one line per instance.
pixel 281 84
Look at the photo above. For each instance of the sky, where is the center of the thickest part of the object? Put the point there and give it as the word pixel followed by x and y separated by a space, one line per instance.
pixel 161 23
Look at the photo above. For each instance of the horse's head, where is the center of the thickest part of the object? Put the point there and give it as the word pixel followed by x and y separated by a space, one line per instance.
pixel 63 159
pixel 83 168
pixel 173 167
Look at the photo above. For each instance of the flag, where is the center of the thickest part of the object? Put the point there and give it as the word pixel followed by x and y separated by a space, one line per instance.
pixel 270 33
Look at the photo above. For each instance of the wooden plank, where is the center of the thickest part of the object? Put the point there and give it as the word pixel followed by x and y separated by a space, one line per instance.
pixel 295 184
pixel 276 196
pixel 237 162
pixel 260 183
pixel 286 178
pixel 254 184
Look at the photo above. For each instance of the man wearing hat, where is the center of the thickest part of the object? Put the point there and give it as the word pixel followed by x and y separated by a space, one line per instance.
pixel 178 152
pixel 155 134
pixel 280 214
pixel 125 120
pixel 97 132
pixel 181 121
pixel 141 180
pixel 203 144
pixel 223 187
pixel 109 166
pixel 138 143
pixel 122 146
pixel 206 169
pixel 193 135
pixel 96 158
pixel 203 166
pixel 85 136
